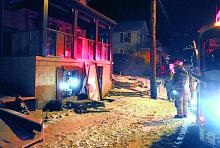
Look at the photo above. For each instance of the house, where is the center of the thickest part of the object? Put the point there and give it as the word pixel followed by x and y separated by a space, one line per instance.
pixel 131 36
pixel 53 49
pixel 131 44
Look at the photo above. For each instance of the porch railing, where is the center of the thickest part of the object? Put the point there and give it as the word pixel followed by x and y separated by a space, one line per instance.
pixel 103 51
pixel 59 44
pixel 85 49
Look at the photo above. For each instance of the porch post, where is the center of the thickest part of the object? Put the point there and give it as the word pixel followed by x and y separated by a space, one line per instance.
pixel 111 52
pixel 110 42
pixel 1 26
pixel 96 37
pixel 74 32
pixel 44 20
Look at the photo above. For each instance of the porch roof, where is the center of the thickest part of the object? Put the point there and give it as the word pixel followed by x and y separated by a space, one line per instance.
pixel 76 5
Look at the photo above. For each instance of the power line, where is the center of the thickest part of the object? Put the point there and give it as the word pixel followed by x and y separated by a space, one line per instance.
pixel 163 10
pixel 167 18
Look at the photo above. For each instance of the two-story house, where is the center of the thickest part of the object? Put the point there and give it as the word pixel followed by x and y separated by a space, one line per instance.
pixel 131 44
pixel 131 36
pixel 54 49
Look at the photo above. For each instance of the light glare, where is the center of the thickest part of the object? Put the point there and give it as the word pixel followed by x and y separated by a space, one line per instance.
pixel 63 85
pixel 175 92
pixel 74 82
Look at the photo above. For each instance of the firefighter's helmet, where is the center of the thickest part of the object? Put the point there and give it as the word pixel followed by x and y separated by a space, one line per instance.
pixel 178 64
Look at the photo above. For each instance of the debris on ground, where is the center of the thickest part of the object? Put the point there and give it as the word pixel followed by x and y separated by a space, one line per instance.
pixel 127 121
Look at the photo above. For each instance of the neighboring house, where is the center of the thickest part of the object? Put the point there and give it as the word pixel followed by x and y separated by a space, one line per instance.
pixel 131 36
pixel 53 49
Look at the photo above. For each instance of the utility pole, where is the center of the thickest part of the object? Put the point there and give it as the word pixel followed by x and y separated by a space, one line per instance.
pixel 153 86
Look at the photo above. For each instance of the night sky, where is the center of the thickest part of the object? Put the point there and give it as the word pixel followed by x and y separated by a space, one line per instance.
pixel 177 30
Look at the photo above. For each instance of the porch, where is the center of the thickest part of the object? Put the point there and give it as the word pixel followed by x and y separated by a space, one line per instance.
pixel 59 44
pixel 66 29
pixel 47 37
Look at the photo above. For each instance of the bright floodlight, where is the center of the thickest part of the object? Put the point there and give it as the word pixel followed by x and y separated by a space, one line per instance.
pixel 63 85
pixel 74 82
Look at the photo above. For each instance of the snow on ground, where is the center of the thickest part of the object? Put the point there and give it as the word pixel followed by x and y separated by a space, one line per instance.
pixel 126 122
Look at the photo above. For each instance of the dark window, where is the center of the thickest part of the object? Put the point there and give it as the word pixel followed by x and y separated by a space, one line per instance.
pixel 127 37
pixel 54 27
pixel 121 38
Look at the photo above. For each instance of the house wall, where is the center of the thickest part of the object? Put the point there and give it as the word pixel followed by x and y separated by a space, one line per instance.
pixel 126 46
pixel 35 75
pixel 45 82
pixel 15 19
pixel 116 42
pixel 22 19
pixel 134 37
pixel 17 76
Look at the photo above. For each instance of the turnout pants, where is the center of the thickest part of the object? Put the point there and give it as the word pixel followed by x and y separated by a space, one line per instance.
pixel 182 104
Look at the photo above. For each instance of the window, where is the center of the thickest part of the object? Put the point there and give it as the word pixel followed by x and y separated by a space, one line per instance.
pixel 121 51
pixel 121 38
pixel 125 37
pixel 211 48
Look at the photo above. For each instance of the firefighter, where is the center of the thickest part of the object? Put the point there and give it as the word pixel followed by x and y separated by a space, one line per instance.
pixel 180 85
pixel 193 87
pixel 167 85
pixel 192 84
